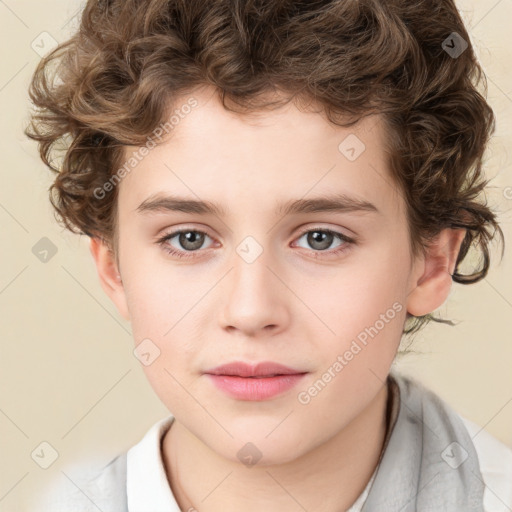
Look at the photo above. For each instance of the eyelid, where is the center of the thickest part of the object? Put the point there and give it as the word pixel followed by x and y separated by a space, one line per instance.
pixel 166 236
pixel 172 231
pixel 334 231
pixel 320 227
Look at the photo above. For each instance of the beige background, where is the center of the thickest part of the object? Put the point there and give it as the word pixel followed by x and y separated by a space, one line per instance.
pixel 68 374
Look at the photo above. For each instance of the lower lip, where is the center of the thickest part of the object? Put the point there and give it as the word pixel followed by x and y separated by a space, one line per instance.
pixel 250 388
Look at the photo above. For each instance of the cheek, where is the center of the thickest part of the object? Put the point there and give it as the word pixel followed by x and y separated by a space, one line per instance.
pixel 172 346
pixel 162 322
pixel 370 291
pixel 154 299
pixel 353 365
pixel 365 309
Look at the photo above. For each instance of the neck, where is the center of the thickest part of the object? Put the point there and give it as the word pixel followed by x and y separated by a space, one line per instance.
pixel 328 478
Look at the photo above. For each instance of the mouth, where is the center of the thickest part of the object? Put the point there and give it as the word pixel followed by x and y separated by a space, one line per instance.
pixel 263 381
pixel 261 370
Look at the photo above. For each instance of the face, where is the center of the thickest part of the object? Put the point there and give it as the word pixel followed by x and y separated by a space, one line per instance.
pixel 271 275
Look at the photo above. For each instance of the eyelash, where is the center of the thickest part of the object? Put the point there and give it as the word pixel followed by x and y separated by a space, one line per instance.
pixel 348 242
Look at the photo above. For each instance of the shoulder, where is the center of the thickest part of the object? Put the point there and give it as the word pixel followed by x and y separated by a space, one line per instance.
pixel 494 457
pixel 83 488
pixel 495 460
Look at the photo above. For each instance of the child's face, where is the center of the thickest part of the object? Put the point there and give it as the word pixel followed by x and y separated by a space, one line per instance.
pixel 298 303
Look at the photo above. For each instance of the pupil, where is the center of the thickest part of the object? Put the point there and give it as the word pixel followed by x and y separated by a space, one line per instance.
pixel 320 237
pixel 191 240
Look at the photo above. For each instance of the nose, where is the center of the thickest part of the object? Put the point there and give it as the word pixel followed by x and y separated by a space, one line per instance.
pixel 255 298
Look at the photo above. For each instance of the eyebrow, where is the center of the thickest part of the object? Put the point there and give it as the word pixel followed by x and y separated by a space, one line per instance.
pixel 340 203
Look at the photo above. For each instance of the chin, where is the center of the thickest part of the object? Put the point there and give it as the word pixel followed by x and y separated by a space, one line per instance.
pixel 254 446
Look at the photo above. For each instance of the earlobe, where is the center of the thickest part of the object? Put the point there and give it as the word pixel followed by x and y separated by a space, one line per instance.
pixel 431 285
pixel 108 274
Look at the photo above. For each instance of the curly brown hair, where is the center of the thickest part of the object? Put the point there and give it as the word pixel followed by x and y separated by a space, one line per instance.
pixel 116 79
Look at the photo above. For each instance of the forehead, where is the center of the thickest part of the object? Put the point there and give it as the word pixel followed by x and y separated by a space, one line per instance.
pixel 253 161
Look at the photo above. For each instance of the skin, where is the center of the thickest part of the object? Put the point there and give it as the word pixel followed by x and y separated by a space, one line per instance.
pixel 296 304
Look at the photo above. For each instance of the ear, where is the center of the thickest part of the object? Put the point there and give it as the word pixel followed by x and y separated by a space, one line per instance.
pixel 432 279
pixel 108 273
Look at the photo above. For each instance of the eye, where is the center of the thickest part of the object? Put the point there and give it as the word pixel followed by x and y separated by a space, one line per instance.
pixel 321 239
pixel 190 241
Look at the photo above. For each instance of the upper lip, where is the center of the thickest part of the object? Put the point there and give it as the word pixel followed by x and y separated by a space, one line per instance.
pixel 263 369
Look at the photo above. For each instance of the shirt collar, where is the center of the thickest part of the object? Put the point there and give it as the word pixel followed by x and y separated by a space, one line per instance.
pixel 147 487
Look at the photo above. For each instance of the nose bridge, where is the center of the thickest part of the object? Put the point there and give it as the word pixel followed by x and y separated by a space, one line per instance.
pixel 254 299
pixel 251 277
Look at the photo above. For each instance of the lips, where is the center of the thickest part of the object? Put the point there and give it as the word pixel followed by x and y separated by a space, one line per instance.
pixel 264 369
pixel 263 381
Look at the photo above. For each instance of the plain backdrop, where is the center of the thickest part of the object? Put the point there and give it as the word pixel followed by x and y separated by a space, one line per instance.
pixel 68 376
